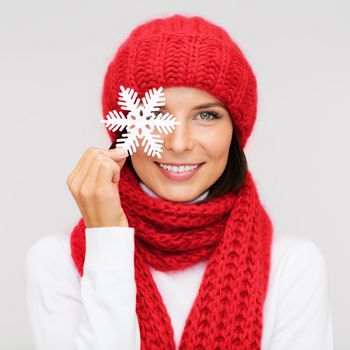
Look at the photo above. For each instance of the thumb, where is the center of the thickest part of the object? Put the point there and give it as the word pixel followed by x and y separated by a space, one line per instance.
pixel 121 162
pixel 118 155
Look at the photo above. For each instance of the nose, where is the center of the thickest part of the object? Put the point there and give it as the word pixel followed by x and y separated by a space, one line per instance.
pixel 180 139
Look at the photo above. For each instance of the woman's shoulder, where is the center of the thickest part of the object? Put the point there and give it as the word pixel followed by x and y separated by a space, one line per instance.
pixel 296 259
pixel 287 246
pixel 49 246
pixel 50 256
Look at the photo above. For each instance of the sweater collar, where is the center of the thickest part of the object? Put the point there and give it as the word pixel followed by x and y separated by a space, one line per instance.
pixel 147 190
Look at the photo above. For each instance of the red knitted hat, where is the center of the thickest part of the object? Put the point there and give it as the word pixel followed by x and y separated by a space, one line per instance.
pixel 184 51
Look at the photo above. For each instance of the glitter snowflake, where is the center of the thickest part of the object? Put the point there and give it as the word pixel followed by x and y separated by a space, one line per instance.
pixel 141 121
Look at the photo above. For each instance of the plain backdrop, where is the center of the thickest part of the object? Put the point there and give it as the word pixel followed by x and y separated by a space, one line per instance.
pixel 53 57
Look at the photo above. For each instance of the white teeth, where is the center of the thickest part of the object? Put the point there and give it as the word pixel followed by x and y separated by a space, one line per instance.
pixel 179 169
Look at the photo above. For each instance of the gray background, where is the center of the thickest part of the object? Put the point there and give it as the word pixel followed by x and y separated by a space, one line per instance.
pixel 53 57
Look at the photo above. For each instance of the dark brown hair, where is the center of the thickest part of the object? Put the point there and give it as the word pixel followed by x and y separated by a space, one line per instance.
pixel 233 176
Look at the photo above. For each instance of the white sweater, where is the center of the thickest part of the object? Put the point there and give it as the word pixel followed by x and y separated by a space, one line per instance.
pixel 97 311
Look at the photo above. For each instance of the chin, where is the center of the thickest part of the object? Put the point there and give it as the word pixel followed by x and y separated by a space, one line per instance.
pixel 177 195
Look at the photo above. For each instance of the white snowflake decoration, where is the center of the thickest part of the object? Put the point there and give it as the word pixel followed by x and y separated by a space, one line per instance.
pixel 141 121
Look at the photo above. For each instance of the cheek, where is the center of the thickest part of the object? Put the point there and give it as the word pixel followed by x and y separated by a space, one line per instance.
pixel 217 143
pixel 137 160
pixel 141 162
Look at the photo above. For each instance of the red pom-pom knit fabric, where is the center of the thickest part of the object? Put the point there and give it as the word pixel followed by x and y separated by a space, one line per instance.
pixel 233 231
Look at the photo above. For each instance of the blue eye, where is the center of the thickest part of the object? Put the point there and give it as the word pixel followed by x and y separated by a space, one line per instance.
pixel 215 115
pixel 206 115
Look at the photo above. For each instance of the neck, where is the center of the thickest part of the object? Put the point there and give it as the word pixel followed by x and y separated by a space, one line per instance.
pixel 147 190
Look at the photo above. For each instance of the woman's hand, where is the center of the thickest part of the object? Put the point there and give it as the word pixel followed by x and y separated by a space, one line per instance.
pixel 94 186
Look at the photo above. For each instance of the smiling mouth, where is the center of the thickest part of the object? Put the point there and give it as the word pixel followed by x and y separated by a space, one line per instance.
pixel 179 172
pixel 179 164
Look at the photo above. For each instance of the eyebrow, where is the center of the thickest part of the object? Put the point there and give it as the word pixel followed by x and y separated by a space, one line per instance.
pixel 204 105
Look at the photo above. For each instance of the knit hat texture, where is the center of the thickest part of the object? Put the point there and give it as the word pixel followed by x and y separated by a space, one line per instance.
pixel 184 51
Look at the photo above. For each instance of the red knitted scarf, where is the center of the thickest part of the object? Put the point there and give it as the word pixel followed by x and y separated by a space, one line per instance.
pixel 233 231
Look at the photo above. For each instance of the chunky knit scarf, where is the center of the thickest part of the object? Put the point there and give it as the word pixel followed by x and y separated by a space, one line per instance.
pixel 232 231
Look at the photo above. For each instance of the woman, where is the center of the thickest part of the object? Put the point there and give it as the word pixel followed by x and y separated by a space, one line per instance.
pixel 178 252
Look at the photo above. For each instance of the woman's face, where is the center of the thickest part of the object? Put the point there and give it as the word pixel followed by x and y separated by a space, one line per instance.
pixel 201 139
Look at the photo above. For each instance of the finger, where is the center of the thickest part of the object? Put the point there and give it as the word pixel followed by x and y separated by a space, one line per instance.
pixel 109 172
pixel 121 163
pixel 79 174
pixel 90 178
pixel 84 162
pixel 117 155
